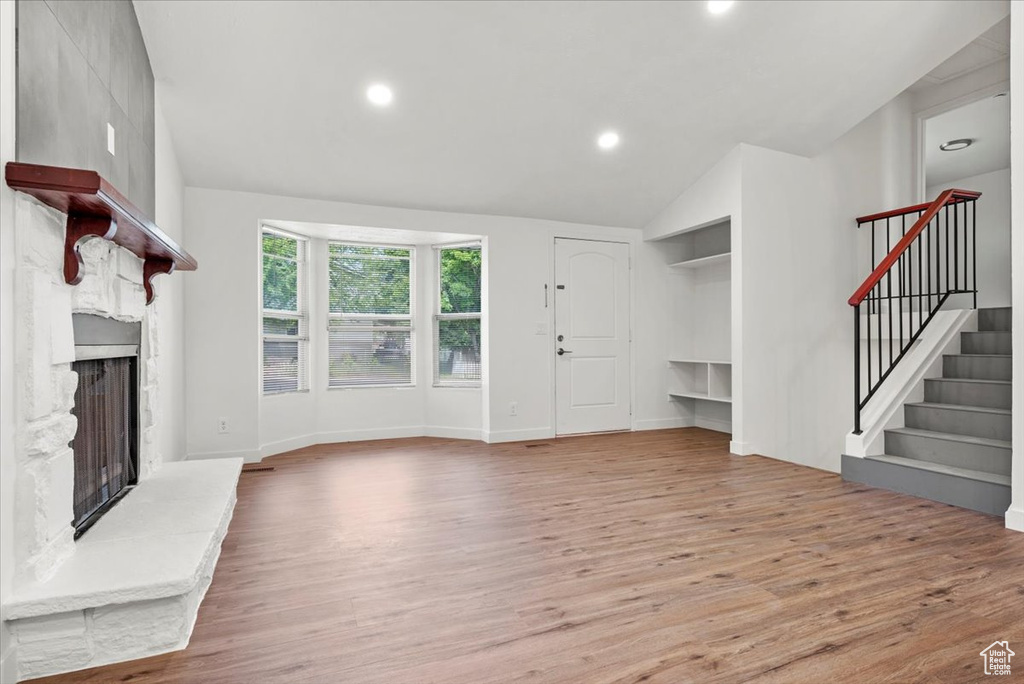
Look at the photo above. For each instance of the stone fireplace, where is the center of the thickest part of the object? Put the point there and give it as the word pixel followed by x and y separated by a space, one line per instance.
pixel 131 585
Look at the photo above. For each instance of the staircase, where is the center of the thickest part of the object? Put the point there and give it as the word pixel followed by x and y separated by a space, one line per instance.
pixel 955 447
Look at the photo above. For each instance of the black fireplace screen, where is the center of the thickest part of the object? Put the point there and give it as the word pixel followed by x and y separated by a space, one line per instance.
pixel 106 444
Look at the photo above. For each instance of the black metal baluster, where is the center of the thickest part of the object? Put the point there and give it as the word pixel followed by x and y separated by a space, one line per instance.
pixel 856 370
pixel 879 295
pixel 888 305
pixel 956 248
pixel 974 250
pixel 903 288
pixel 931 260
pixel 872 259
pixel 921 265
pixel 869 340
pixel 945 278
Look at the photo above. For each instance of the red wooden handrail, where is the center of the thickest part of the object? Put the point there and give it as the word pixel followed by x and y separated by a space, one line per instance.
pixel 959 196
pixel 930 210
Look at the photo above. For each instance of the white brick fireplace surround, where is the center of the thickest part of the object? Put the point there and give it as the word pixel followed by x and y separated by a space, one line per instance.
pixel 131 585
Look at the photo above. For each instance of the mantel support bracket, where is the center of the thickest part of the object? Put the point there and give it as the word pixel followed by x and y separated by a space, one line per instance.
pixel 153 267
pixel 95 209
pixel 79 229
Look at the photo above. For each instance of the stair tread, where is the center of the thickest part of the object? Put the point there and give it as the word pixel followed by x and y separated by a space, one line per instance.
pixel 967 473
pixel 960 407
pixel 983 356
pixel 953 437
pixel 983 380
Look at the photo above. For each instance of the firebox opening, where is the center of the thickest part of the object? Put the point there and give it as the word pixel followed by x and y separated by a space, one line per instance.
pixel 106 445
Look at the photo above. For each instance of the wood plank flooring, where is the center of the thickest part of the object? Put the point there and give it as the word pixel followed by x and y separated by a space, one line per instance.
pixel 638 557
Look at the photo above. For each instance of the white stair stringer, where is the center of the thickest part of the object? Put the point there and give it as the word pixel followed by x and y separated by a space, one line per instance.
pixel 906 382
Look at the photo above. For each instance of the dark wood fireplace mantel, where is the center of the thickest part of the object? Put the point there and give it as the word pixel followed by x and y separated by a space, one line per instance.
pixel 96 209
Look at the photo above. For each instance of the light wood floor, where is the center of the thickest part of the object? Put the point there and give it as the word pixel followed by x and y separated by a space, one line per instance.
pixel 644 557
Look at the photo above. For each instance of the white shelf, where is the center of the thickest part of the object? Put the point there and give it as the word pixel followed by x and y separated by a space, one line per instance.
pixel 701 397
pixel 704 261
pixel 717 363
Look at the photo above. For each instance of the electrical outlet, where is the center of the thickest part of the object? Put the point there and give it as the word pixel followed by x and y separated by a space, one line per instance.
pixel 110 139
pixel 513 408
pixel 222 426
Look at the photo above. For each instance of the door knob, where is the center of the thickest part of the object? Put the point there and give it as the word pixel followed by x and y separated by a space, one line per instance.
pixel 563 351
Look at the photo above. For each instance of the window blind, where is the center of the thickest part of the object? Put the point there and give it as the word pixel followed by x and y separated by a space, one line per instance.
pixel 370 317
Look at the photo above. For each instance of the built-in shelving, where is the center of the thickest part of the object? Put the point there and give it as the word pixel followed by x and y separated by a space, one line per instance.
pixel 706 380
pixel 702 397
pixel 700 262
pixel 727 363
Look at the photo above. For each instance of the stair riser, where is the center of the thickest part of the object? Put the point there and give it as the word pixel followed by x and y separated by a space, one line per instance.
pixel 994 319
pixel 968 393
pixel 979 368
pixel 974 423
pixel 986 343
pixel 989 459
pixel 985 497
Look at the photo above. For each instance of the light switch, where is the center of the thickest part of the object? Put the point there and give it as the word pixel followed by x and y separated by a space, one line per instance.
pixel 542 329
pixel 110 139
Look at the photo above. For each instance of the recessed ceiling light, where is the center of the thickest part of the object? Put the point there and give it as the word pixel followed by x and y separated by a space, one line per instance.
pixel 958 144
pixel 379 94
pixel 608 140
pixel 719 6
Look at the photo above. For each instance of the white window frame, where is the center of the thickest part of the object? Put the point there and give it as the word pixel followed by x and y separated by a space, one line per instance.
pixel 411 317
pixel 438 316
pixel 301 315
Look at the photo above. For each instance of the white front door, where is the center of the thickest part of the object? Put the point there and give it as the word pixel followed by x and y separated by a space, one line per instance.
pixel 591 349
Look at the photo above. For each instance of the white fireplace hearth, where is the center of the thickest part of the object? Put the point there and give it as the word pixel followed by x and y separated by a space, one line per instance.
pixel 131 585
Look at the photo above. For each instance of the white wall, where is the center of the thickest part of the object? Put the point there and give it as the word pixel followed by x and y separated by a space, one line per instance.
pixel 8 664
pixel 940 98
pixel 1015 516
pixel 804 257
pixel 797 255
pixel 222 331
pixel 170 296
pixel 993 233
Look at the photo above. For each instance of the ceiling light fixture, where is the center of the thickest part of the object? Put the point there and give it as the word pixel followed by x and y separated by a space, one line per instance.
pixel 719 6
pixel 608 140
pixel 380 95
pixel 958 144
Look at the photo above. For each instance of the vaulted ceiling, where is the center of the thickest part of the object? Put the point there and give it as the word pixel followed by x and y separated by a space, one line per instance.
pixel 498 104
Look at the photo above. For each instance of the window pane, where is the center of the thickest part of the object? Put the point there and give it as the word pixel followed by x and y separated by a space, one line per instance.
pixel 280 284
pixel 281 366
pixel 460 280
pixel 279 245
pixel 369 280
pixel 362 353
pixel 458 350
pixel 280 326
